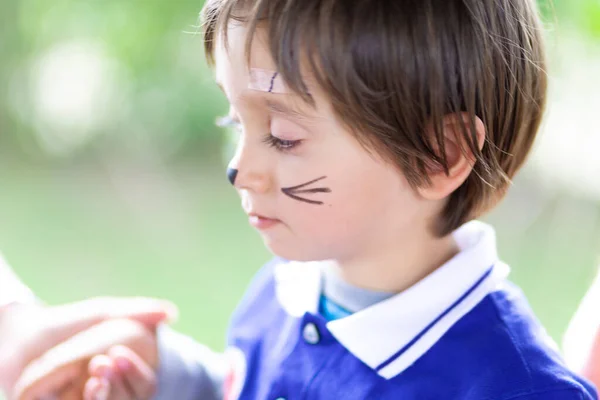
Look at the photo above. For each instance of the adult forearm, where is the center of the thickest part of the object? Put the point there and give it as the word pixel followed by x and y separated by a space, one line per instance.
pixel 14 296
pixel 12 290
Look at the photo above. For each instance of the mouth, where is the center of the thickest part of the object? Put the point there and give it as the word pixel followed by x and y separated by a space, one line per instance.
pixel 261 222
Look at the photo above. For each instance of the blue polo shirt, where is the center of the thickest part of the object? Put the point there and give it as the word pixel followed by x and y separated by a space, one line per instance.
pixel 463 332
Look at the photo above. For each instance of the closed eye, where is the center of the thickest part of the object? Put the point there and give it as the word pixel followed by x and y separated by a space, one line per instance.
pixel 281 144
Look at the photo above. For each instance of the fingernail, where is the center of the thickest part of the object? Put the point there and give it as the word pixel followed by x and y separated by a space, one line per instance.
pixel 102 393
pixel 123 364
pixel 171 310
pixel 107 373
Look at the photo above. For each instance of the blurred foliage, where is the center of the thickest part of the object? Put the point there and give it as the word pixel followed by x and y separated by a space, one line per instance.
pixel 157 67
pixel 580 15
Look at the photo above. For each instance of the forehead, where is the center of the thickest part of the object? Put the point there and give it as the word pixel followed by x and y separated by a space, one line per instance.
pixel 264 80
pixel 231 64
pixel 260 79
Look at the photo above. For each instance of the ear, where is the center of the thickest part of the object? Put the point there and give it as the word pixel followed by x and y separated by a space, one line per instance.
pixel 459 155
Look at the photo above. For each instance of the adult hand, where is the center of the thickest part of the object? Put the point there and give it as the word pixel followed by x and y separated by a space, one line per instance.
pixel 130 377
pixel 29 330
pixel 63 371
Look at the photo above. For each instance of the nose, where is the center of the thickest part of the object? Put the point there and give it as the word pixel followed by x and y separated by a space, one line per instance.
pixel 232 175
pixel 249 168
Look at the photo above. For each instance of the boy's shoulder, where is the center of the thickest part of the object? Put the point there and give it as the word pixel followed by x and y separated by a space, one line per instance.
pixel 499 351
pixel 260 293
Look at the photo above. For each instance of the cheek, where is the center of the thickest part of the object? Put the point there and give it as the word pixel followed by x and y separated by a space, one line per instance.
pixel 363 195
pixel 368 186
pixel 367 197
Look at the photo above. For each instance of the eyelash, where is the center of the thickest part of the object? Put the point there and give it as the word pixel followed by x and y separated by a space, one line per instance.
pixel 281 145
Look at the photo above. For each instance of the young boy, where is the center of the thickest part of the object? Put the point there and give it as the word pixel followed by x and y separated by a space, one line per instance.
pixel 371 134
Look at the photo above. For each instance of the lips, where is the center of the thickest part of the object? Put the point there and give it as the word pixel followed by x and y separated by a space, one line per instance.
pixel 261 222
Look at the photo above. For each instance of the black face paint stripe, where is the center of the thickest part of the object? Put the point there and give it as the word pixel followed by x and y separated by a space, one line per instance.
pixel 304 200
pixel 316 190
pixel 305 184
pixel 294 190
pixel 232 175
pixel 273 82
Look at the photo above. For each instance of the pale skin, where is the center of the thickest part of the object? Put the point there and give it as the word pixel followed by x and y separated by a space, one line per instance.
pixel 44 348
pixel 592 366
pixel 373 227
pixel 66 369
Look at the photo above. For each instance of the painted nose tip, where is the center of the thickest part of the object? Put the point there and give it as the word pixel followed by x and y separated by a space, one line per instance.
pixel 231 175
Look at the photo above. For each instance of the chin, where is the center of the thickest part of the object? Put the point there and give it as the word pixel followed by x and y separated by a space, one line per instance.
pixel 295 252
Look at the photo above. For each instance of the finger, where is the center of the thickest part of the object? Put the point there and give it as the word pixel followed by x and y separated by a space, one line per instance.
pixel 31 387
pixel 69 319
pixel 136 373
pixel 54 370
pixel 69 360
pixel 70 392
pixel 102 367
pixel 119 390
pixel 96 389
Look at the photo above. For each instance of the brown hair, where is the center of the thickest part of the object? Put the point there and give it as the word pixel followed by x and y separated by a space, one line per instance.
pixel 393 68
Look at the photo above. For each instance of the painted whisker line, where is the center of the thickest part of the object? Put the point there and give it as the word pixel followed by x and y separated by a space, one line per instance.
pixel 317 190
pixel 304 200
pixel 272 82
pixel 305 184
pixel 295 190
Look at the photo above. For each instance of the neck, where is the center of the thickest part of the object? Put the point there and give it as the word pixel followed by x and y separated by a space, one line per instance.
pixel 398 264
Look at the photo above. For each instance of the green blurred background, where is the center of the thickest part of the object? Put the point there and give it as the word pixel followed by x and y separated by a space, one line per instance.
pixel 112 172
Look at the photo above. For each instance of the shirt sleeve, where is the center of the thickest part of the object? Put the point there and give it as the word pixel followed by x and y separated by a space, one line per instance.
pixel 187 369
pixel 12 290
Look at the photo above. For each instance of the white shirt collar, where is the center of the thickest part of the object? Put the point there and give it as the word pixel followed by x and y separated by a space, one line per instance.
pixel 391 335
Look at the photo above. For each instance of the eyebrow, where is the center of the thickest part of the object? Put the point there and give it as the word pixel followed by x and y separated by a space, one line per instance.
pixel 283 109
pixel 220 86
pixel 278 107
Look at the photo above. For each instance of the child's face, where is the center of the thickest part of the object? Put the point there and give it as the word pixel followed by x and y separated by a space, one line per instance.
pixel 361 202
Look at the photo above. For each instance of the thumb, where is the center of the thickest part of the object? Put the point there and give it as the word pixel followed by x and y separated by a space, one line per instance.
pixel 69 319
